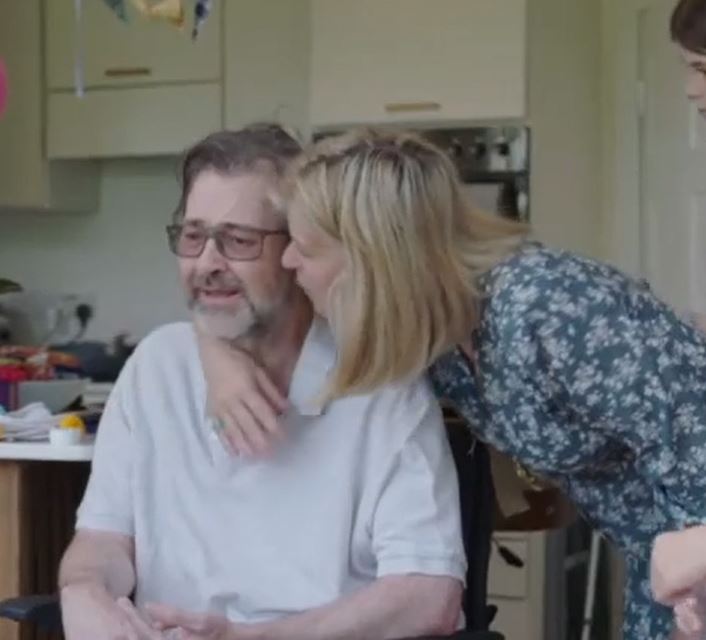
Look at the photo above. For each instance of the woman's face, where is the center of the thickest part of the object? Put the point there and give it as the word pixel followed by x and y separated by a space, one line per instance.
pixel 317 258
pixel 696 78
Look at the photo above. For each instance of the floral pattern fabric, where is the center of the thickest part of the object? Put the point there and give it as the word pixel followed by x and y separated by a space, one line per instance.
pixel 588 379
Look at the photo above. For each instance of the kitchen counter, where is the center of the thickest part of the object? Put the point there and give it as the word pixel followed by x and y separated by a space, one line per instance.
pixel 41 486
pixel 43 451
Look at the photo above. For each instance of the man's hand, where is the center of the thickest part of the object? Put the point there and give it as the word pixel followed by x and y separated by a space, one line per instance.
pixel 90 613
pixel 192 626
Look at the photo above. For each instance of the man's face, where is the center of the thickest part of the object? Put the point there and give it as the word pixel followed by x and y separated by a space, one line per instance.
pixel 233 298
pixel 696 78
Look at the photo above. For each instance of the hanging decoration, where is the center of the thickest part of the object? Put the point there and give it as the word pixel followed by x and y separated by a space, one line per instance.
pixel 3 87
pixel 202 9
pixel 118 8
pixel 171 11
pixel 79 75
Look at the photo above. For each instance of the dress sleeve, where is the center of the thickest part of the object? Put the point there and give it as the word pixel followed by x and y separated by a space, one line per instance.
pixel 613 364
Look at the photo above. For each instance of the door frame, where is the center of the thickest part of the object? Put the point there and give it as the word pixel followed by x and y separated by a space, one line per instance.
pixel 621 107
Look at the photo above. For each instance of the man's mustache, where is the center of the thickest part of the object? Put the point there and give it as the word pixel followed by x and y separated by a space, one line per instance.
pixel 217 281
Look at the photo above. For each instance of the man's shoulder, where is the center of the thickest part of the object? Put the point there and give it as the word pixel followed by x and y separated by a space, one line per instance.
pixel 320 358
pixel 172 338
pixel 401 409
pixel 164 364
pixel 416 392
pixel 169 347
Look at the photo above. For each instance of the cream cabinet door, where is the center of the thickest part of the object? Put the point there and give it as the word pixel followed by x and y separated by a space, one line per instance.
pixel 116 53
pixel 377 61
pixel 266 62
pixel 27 179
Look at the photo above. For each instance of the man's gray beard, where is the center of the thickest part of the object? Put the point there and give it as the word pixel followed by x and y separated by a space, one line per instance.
pixel 245 324
pixel 224 325
pixel 228 325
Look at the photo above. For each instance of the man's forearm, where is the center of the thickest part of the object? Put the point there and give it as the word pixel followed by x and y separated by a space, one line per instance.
pixel 99 559
pixel 394 607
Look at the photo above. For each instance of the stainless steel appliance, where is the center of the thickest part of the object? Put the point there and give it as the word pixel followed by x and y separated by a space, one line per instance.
pixel 494 164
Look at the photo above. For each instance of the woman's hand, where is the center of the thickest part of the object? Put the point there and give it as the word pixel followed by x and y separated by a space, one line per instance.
pixel 678 568
pixel 242 399
pixel 689 619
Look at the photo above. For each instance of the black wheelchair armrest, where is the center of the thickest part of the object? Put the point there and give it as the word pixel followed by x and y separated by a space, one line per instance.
pixel 43 611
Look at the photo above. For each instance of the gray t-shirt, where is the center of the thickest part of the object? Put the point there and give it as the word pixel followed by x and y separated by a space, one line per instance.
pixel 364 488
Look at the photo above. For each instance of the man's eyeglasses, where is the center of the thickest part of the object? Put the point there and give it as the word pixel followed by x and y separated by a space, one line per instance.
pixel 233 241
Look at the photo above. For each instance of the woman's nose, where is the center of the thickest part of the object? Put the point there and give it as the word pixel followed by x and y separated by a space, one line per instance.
pixel 289 258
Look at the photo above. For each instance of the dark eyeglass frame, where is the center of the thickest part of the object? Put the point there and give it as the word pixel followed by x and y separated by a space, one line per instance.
pixel 216 234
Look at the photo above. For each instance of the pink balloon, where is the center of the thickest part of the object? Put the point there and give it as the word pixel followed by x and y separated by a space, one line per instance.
pixel 3 87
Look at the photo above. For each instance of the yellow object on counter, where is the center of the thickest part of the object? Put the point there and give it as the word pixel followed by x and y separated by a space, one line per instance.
pixel 72 421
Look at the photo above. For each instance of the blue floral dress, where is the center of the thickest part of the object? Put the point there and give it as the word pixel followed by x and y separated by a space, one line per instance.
pixel 589 380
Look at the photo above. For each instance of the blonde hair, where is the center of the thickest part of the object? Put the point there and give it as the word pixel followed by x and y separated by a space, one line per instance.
pixel 415 250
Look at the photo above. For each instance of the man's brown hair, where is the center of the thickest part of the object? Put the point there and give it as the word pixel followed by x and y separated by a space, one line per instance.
pixel 688 25
pixel 232 152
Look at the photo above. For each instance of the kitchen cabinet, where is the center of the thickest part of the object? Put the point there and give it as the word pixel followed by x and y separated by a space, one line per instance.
pixel 415 61
pixel 138 52
pixel 145 121
pixel 519 592
pixel 149 89
pixel 27 179
pixel 267 47
pixel 38 502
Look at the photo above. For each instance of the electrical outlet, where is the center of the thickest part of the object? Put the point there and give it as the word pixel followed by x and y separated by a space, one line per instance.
pixel 67 318
pixel 79 310
pixel 38 317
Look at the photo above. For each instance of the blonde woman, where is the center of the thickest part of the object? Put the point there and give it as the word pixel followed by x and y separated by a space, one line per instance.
pixel 561 362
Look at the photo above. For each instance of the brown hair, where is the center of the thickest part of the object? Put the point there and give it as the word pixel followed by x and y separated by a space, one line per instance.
pixel 229 152
pixel 688 25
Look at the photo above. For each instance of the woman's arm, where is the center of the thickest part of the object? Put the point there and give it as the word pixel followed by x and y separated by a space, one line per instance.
pixel 241 397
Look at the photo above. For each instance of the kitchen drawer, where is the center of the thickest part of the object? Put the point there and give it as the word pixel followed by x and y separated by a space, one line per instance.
pixel 142 121
pixel 514 619
pixel 504 580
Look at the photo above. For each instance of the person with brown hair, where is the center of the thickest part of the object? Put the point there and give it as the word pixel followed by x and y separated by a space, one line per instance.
pixel 351 529
pixel 688 30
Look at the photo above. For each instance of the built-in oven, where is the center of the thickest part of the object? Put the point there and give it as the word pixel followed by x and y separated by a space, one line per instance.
pixel 494 164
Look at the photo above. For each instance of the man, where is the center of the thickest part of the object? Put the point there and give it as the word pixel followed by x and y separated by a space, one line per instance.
pixel 350 529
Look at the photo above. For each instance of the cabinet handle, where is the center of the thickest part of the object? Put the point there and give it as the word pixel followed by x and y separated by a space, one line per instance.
pixel 403 107
pixel 128 72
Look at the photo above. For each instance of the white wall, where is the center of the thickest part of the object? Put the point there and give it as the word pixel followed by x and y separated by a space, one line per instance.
pixel 565 116
pixel 621 179
pixel 118 255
